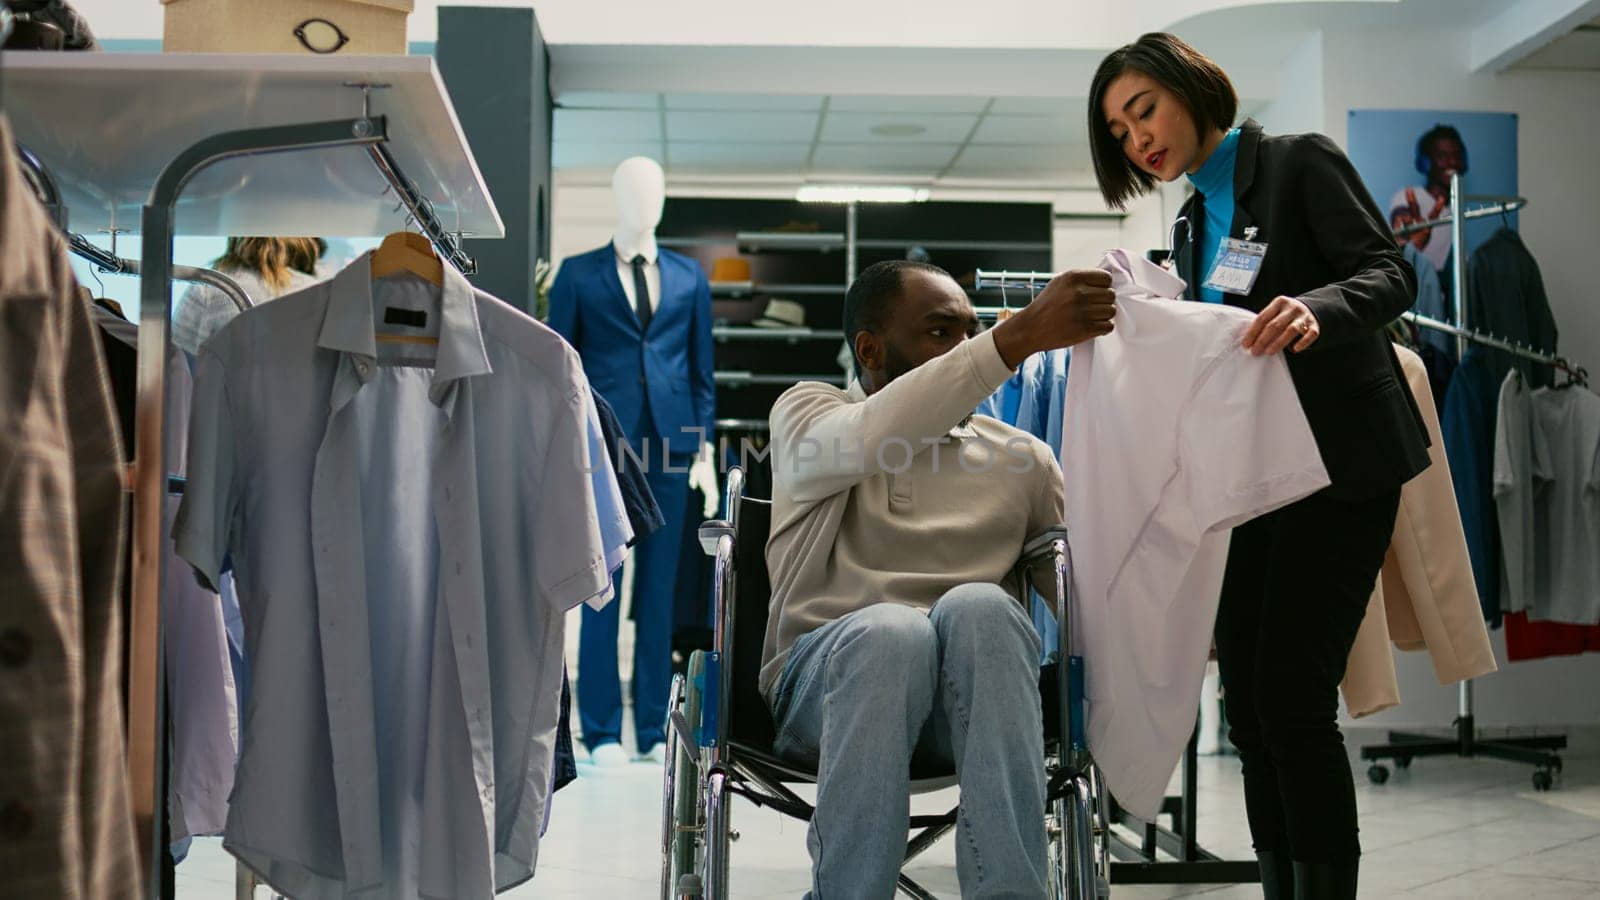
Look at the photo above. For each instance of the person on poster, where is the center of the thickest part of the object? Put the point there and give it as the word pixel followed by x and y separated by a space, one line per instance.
pixel 1440 153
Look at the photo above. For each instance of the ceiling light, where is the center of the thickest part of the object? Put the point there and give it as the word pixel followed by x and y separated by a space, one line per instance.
pixel 897 130
pixel 848 193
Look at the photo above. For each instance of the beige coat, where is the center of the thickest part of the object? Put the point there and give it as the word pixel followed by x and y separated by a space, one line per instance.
pixel 1425 596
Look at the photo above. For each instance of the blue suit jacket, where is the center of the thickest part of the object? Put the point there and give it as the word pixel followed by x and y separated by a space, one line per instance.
pixel 665 372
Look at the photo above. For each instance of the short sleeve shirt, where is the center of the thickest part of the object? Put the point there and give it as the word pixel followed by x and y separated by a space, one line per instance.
pixel 491 528
pixel 1567 439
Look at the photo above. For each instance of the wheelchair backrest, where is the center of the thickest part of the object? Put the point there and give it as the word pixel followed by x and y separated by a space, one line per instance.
pixel 749 719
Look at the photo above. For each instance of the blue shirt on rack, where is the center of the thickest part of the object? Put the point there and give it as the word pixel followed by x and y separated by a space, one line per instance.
pixel 1035 400
pixel 1214 182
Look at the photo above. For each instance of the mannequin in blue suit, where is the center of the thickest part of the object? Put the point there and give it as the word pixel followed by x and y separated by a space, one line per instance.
pixel 653 362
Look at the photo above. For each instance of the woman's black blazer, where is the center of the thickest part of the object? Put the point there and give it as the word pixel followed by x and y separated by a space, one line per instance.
pixel 1327 245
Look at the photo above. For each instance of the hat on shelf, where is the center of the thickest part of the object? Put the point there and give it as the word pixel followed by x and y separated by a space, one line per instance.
pixel 782 314
pixel 730 268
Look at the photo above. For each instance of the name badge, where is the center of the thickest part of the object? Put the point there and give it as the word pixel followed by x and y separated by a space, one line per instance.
pixel 1236 266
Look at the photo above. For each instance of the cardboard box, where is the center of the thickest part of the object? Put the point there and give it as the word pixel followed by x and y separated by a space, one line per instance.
pixel 286 26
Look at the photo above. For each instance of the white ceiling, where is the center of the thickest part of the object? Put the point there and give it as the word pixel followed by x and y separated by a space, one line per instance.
pixel 917 138
pixel 1579 50
pixel 952 116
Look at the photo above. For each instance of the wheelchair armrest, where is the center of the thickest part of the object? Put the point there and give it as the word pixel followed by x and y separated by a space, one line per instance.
pixel 711 533
pixel 1041 546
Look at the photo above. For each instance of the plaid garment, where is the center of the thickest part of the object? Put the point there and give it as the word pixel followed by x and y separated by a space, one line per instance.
pixel 65 824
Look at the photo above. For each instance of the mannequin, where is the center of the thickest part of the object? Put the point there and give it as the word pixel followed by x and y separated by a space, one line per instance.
pixel 640 319
pixel 639 188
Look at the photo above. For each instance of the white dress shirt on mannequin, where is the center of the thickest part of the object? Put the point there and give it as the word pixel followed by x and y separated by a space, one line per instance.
pixel 629 246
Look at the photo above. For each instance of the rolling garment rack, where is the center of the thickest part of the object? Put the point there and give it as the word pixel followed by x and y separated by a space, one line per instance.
pixel 107 262
pixel 1139 858
pixel 242 190
pixel 1403 746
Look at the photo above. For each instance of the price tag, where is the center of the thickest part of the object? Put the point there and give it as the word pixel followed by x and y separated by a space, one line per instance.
pixel 1236 266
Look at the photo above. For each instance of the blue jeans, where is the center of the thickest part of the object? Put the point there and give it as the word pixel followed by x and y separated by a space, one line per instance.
pixel 861 695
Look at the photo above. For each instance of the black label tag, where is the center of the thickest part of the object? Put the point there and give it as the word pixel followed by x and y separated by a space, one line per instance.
pixel 411 318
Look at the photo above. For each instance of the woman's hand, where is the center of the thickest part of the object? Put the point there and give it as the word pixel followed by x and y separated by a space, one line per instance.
pixel 1285 321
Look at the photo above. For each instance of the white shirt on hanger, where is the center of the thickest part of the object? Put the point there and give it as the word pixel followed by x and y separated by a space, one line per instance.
pixel 1173 434
pixel 409 526
pixel 626 250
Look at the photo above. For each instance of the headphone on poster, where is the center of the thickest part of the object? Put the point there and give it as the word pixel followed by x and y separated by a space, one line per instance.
pixel 1424 162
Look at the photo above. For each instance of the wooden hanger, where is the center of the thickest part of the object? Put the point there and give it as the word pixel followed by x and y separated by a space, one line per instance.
pixel 406 251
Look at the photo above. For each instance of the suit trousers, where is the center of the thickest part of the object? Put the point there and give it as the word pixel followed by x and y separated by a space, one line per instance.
pixel 655 582
pixel 1297 586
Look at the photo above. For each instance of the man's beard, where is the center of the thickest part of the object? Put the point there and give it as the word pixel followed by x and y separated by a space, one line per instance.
pixel 894 363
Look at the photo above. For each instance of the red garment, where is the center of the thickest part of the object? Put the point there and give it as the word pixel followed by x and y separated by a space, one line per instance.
pixel 1538 640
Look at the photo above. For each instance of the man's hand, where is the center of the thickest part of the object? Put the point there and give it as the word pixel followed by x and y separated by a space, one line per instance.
pixel 1414 216
pixel 1074 307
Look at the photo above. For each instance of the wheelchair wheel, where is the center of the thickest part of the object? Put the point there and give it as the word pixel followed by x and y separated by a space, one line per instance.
pixel 685 787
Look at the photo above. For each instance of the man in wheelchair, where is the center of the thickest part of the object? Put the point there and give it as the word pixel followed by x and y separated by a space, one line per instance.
pixel 896 629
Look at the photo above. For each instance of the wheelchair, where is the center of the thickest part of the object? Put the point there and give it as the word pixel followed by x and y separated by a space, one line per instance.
pixel 721 733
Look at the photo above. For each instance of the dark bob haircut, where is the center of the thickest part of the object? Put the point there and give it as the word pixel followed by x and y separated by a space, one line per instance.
pixel 1197 81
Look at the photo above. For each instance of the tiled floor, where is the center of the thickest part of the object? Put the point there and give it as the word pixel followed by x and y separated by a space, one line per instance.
pixel 1446 828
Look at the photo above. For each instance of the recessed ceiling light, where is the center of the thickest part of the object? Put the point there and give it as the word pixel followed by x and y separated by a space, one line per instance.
pixel 851 193
pixel 898 129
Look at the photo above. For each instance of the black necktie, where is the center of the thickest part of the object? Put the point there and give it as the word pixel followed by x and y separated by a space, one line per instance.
pixel 641 293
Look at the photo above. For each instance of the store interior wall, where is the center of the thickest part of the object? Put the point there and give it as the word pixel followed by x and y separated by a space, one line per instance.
pixel 1299 106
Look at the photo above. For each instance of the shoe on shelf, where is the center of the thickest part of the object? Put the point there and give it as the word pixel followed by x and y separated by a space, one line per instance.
pixel 609 755
pixel 656 755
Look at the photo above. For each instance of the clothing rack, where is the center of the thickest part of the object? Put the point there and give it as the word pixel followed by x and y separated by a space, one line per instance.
pixel 414 156
pixel 1403 746
pixel 1497 206
pixel 110 263
pixel 1576 373
pixel 43 183
pixel 370 132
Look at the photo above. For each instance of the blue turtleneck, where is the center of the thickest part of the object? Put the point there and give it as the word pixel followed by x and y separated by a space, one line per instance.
pixel 1214 182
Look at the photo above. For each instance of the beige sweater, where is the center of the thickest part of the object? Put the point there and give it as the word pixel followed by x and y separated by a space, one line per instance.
pixel 898 497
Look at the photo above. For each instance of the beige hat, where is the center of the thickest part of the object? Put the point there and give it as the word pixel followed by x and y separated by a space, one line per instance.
pixel 782 314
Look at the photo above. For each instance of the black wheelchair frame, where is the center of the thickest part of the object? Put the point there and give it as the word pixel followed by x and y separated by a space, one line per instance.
pixel 721 732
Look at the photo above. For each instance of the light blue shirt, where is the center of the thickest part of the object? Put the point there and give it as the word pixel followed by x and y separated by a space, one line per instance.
pixel 1214 181
pixel 409 526
pixel 1035 400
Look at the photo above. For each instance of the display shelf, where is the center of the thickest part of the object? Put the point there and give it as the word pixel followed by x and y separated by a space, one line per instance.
pixel 733 289
pixel 789 242
pixel 738 379
pixel 108 123
pixel 974 246
pixel 758 333
pixel 678 243
pixel 736 290
pixel 805 290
